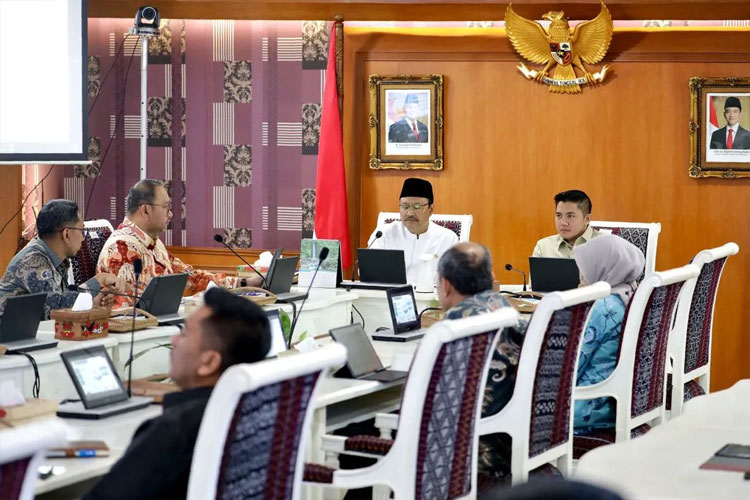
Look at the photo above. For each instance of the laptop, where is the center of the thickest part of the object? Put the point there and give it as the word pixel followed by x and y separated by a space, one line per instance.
pixel 278 342
pixel 379 269
pixel 162 297
pixel 280 276
pixel 97 383
pixel 362 362
pixel 404 316
pixel 20 322
pixel 550 274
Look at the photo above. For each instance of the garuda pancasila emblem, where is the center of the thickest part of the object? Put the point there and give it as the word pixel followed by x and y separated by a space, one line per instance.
pixel 560 48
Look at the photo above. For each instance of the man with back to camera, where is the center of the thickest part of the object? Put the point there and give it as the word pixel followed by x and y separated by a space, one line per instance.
pixel 408 128
pixel 414 233
pixel 465 289
pixel 572 219
pixel 43 264
pixel 149 211
pixel 227 330
pixel 731 136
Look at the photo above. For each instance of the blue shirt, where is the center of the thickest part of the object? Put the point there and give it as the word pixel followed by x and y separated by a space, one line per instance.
pixel 597 361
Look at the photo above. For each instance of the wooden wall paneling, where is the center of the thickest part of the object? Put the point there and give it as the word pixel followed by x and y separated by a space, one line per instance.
pixel 10 193
pixel 510 145
pixel 218 259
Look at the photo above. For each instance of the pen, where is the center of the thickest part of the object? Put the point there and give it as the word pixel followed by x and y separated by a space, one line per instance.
pixel 85 453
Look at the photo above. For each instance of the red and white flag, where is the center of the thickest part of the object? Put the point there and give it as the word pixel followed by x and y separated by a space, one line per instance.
pixel 713 123
pixel 331 212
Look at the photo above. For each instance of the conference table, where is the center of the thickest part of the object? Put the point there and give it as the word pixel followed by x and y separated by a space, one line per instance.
pixel 338 403
pixel 663 464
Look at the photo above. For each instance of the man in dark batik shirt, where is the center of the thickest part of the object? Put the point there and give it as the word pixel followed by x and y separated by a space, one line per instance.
pixel 225 331
pixel 465 289
pixel 42 266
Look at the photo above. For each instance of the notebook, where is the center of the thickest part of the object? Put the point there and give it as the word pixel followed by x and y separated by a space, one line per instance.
pixel 362 362
pixel 404 316
pixel 20 322
pixel 379 269
pixel 98 385
pixel 162 297
pixel 550 274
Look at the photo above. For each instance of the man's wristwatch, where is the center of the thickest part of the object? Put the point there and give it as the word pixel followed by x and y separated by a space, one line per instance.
pixel 243 282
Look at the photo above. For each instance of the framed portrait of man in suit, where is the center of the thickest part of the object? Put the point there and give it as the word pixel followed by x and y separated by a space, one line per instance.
pixel 406 122
pixel 720 127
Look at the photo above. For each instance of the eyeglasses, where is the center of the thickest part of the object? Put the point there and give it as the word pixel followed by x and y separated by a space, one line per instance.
pixel 81 229
pixel 167 206
pixel 414 206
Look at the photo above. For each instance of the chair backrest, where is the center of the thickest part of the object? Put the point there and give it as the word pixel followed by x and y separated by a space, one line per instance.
pixel 441 404
pixel 255 424
pixel 549 363
pixel 643 349
pixel 644 235
pixel 459 224
pixel 22 450
pixel 695 311
pixel 83 264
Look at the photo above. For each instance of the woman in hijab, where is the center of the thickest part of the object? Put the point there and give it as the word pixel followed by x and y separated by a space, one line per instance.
pixel 612 259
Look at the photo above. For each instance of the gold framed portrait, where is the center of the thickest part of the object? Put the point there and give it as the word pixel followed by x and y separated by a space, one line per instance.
pixel 406 122
pixel 720 127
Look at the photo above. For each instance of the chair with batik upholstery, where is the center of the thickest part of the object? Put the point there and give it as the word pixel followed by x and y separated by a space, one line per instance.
pixel 459 224
pixel 22 450
pixel 644 235
pixel 538 416
pixel 690 341
pixel 83 264
pixel 256 424
pixel 433 455
pixel 638 381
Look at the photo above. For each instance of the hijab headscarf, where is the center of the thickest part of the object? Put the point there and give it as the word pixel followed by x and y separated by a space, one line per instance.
pixel 612 259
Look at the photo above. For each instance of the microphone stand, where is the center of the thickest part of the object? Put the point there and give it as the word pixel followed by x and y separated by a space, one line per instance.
pixel 307 294
pixel 219 239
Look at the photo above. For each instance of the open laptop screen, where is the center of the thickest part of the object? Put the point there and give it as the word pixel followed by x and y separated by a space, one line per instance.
pixel 20 320
pixel 278 343
pixel 361 357
pixel 403 307
pixel 163 294
pixel 94 376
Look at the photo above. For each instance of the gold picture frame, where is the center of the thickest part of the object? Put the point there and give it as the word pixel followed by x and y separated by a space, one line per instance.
pixel 406 122
pixel 709 136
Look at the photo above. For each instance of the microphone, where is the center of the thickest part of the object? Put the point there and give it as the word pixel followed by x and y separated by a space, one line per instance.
pixel 138 269
pixel 321 258
pixel 377 235
pixel 509 267
pixel 220 239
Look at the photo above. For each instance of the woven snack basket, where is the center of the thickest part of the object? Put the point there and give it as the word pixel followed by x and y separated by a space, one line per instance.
pixel 143 320
pixel 257 295
pixel 81 325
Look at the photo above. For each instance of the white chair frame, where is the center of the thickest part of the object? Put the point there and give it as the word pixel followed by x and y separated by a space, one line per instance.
pixel 654 228
pixel 619 385
pixel 466 222
pixel 515 418
pixel 678 337
pixel 240 379
pixel 31 440
pixel 396 468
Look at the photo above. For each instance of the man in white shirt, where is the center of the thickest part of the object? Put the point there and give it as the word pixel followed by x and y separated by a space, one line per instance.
pixel 414 233
pixel 572 218
pixel 732 136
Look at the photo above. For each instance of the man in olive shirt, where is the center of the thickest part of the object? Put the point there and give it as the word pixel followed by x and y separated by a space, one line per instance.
pixel 572 219
pixel 226 330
